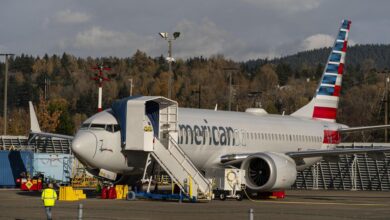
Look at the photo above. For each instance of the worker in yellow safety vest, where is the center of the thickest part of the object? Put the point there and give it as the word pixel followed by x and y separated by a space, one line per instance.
pixel 49 197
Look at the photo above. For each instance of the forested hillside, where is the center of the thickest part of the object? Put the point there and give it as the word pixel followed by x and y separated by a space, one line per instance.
pixel 62 89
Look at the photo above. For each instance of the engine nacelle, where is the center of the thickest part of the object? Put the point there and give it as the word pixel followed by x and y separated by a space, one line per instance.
pixel 269 171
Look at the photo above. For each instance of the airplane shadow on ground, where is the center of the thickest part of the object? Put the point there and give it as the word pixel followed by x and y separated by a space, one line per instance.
pixel 30 193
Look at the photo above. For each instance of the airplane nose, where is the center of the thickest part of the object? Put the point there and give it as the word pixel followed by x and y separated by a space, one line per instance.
pixel 84 145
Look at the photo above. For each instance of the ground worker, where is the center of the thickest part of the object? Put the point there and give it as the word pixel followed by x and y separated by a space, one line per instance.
pixel 49 197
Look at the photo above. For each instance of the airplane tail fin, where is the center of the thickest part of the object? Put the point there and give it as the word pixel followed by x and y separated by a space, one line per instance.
pixel 324 104
pixel 34 125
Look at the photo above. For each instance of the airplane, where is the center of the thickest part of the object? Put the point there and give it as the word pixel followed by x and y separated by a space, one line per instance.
pixel 270 148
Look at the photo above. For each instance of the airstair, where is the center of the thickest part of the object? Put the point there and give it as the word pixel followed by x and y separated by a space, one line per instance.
pixel 180 168
pixel 151 127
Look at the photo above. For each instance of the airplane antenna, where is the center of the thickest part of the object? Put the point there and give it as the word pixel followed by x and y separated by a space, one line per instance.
pixel 99 79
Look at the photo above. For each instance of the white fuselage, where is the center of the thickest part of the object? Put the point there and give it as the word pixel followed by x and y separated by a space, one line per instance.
pixel 251 134
pixel 205 136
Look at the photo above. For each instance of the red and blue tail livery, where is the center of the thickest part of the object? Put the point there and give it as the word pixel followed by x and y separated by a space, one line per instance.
pixel 325 103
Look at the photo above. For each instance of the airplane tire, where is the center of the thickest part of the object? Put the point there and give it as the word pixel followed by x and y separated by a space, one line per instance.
pixel 239 196
pixel 222 196
pixel 130 196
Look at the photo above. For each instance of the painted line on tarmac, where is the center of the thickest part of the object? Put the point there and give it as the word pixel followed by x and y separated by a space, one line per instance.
pixel 325 203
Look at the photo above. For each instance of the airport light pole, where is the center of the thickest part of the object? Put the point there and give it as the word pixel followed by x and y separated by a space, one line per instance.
pixel 230 86
pixel 131 86
pixel 386 101
pixel 199 92
pixel 170 59
pixel 5 90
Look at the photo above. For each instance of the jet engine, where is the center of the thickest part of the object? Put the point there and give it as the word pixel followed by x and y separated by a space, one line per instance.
pixel 269 171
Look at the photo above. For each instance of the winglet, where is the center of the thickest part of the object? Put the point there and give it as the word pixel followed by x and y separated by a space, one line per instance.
pixel 34 125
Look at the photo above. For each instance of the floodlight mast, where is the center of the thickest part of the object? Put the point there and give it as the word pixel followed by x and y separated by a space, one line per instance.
pixel 5 90
pixel 170 59
pixel 100 78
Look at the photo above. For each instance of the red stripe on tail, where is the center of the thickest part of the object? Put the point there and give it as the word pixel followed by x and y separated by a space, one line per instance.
pixel 341 68
pixel 324 112
pixel 336 90
pixel 345 46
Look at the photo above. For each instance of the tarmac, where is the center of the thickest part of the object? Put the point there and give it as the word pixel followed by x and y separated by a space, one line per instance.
pixel 313 205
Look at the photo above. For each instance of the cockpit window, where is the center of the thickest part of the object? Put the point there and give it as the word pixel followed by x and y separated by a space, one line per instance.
pixel 85 126
pixel 116 128
pixel 98 126
pixel 109 128
pixel 112 128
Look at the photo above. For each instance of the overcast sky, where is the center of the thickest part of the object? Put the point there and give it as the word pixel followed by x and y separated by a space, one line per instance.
pixel 238 29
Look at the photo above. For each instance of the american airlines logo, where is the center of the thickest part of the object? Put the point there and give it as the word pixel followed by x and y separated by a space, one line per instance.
pixel 209 135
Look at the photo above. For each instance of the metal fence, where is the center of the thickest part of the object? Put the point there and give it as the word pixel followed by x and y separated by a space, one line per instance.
pixel 36 144
pixel 350 172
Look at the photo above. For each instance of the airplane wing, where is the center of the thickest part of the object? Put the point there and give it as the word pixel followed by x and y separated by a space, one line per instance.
pixel 336 152
pixel 50 135
pixel 364 128
pixel 298 156
pixel 35 130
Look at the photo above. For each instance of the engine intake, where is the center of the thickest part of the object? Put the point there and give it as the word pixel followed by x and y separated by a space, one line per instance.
pixel 269 171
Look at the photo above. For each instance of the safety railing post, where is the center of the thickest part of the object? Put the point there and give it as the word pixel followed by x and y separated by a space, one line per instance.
pixel 251 214
pixel 80 215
